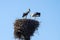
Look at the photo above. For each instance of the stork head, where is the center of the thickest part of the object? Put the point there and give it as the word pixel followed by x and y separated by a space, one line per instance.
pixel 28 10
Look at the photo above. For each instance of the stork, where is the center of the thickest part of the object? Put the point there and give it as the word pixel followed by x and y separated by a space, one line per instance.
pixel 36 14
pixel 26 13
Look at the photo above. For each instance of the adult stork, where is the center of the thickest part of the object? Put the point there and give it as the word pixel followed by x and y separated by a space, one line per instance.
pixel 26 13
pixel 36 14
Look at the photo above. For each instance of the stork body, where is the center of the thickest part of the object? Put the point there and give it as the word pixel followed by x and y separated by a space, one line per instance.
pixel 36 14
pixel 26 13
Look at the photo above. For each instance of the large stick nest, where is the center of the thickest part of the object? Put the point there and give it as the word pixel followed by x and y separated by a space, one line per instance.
pixel 25 27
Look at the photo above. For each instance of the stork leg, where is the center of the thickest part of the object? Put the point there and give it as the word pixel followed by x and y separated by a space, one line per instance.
pixel 26 16
pixel 35 18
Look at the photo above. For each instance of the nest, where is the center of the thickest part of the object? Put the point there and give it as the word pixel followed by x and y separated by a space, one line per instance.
pixel 25 27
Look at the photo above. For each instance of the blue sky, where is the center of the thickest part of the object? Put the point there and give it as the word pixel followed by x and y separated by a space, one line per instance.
pixel 10 10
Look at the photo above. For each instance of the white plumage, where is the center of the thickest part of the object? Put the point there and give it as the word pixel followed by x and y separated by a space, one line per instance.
pixel 36 14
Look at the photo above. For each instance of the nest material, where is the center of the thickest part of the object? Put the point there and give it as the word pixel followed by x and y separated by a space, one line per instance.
pixel 25 27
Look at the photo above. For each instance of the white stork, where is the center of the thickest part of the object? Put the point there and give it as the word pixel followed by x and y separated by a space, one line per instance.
pixel 36 14
pixel 26 13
